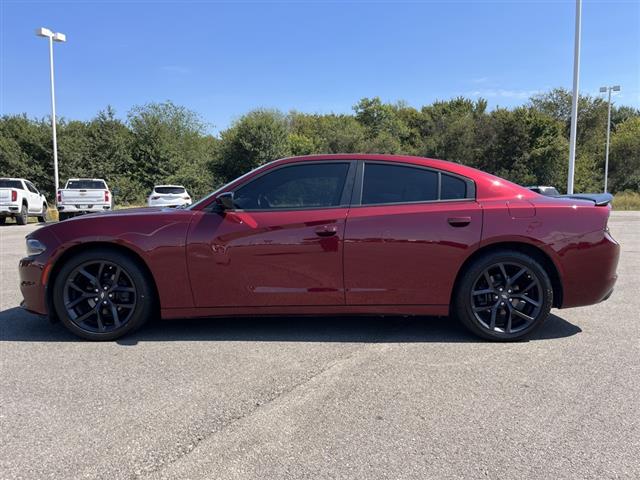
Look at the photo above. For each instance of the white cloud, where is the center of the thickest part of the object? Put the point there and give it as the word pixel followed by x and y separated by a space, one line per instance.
pixel 504 93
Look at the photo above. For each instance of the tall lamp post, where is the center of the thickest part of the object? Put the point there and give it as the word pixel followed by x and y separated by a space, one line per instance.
pixel 614 88
pixel 574 102
pixel 53 37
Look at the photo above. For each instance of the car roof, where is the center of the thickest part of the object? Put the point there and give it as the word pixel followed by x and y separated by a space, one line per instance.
pixel 11 178
pixel 172 186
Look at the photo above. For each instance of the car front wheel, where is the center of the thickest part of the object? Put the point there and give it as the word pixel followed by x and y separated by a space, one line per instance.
pixel 504 296
pixel 102 294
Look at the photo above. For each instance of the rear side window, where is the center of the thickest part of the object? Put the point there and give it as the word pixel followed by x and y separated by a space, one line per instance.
pixel 452 188
pixel 398 184
pixel 173 190
pixel 16 184
pixel 317 185
pixel 86 184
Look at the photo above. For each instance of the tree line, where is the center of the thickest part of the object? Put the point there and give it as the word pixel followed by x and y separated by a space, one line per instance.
pixel 167 143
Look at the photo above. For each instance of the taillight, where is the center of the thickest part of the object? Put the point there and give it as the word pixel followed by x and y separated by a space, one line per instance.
pixel 186 197
pixel 59 197
pixel 14 196
pixel 155 198
pixel 106 195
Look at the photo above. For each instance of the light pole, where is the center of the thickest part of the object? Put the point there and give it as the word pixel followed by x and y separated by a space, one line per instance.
pixel 615 88
pixel 574 102
pixel 57 37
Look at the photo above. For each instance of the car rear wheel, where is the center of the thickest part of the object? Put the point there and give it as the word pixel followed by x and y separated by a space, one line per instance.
pixel 45 214
pixel 102 294
pixel 504 296
pixel 23 217
pixel 2 220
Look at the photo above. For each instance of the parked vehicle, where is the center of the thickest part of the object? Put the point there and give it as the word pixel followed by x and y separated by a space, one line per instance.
pixel 169 196
pixel 545 190
pixel 83 195
pixel 327 235
pixel 20 199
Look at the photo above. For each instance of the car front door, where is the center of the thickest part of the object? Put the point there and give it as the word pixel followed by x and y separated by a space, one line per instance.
pixel 408 232
pixel 281 246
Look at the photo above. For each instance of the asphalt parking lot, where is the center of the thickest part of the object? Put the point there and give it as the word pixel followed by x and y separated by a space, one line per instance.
pixel 363 398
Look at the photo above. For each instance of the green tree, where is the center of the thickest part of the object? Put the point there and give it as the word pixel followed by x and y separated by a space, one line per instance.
pixel 257 138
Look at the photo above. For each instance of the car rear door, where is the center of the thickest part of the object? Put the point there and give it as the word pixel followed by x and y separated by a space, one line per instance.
pixel 281 246
pixel 408 232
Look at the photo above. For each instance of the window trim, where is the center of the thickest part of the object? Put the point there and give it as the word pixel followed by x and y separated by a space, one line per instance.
pixel 356 200
pixel 344 196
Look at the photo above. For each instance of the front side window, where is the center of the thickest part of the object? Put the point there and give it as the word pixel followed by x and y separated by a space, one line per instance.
pixel 31 188
pixel 317 185
pixel 398 184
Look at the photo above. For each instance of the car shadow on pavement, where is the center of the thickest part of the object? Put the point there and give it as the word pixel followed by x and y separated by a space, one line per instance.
pixel 17 325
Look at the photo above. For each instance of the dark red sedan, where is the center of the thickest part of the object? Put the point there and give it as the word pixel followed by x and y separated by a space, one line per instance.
pixel 331 235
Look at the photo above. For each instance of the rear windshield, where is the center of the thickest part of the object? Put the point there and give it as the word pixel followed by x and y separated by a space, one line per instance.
pixel 87 184
pixel 11 184
pixel 169 190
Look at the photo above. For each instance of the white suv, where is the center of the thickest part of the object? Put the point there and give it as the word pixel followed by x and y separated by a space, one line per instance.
pixel 20 199
pixel 169 196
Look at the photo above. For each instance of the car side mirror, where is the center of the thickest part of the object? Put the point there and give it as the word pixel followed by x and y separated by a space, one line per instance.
pixel 224 201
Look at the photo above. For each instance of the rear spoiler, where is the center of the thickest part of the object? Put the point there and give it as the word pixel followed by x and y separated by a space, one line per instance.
pixel 599 199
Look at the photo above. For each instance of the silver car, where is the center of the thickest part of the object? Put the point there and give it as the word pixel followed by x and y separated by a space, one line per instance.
pixel 169 196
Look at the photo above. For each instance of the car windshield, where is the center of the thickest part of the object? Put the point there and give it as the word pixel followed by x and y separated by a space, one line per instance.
pixel 10 184
pixel 86 184
pixel 165 190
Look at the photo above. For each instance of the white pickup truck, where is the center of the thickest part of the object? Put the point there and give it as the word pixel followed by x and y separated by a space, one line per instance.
pixel 83 195
pixel 20 199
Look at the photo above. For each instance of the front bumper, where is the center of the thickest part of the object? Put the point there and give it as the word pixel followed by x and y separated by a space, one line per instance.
pixel 32 273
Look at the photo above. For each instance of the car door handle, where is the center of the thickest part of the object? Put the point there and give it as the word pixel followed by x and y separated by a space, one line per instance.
pixel 459 221
pixel 326 231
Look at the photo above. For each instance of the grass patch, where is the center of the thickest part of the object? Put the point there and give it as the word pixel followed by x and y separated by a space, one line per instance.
pixel 626 200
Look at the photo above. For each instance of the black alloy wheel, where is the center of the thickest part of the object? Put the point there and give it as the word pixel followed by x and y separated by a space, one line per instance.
pixel 102 294
pixel 505 296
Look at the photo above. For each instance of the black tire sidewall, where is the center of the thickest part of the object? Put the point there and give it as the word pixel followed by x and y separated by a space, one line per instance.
pixel 23 218
pixel 144 301
pixel 43 218
pixel 462 305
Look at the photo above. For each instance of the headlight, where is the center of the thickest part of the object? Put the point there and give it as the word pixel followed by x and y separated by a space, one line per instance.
pixel 34 247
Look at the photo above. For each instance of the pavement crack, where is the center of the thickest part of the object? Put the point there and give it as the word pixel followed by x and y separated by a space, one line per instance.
pixel 269 401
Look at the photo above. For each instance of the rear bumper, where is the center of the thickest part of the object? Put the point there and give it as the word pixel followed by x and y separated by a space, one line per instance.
pixel 589 264
pixel 9 210
pixel 83 209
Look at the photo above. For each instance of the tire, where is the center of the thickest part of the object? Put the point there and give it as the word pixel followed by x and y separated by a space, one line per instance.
pixel 45 214
pixel 2 220
pixel 62 216
pixel 486 299
pixel 129 297
pixel 23 217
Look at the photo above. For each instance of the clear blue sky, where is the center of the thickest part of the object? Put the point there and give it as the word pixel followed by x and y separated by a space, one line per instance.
pixel 222 59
